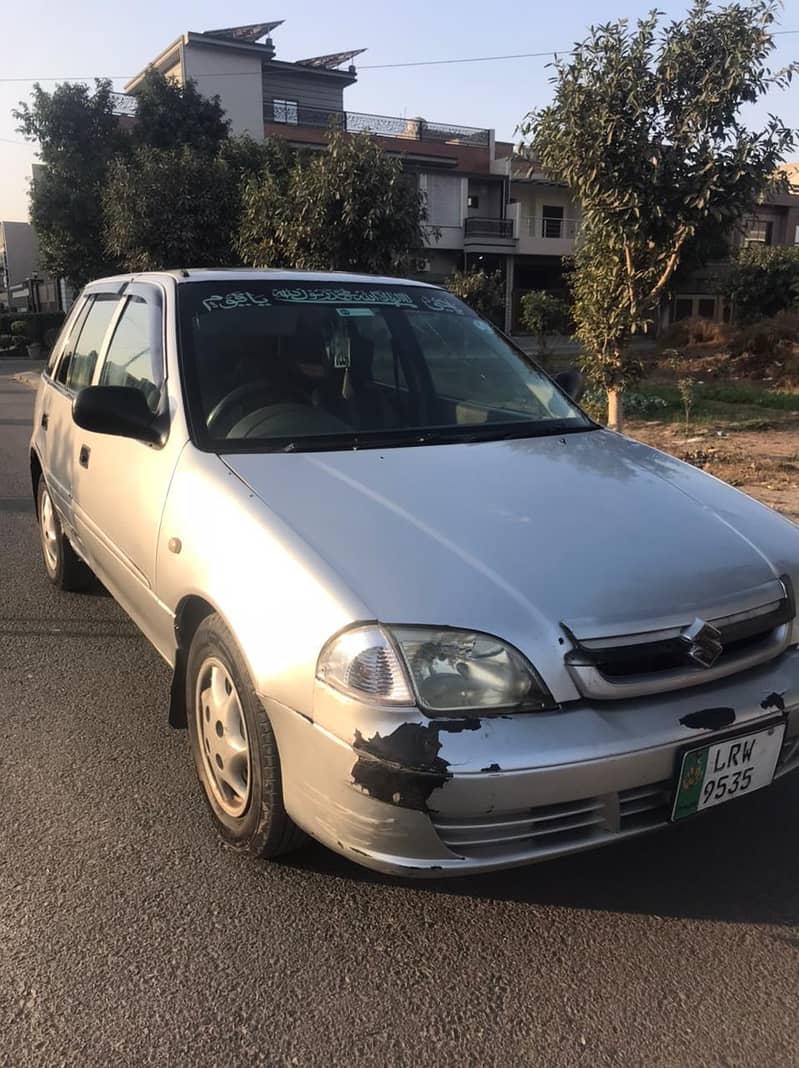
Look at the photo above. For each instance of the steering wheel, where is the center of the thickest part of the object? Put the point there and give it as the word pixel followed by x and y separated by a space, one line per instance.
pixel 264 392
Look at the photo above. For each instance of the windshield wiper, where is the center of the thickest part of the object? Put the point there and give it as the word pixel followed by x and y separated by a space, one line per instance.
pixel 411 436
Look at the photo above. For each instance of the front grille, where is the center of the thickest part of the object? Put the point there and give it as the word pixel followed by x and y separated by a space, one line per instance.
pixel 550 829
pixel 653 661
pixel 645 806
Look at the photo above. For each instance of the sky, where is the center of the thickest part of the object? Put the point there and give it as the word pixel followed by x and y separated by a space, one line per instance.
pixel 90 37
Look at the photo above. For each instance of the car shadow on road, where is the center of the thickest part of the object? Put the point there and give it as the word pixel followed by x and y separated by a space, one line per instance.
pixel 738 864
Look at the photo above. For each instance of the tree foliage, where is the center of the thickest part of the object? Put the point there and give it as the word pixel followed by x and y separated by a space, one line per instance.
pixel 169 114
pixel 348 207
pixel 81 140
pixel 763 282
pixel 78 134
pixel 169 207
pixel 645 128
pixel 175 207
pixel 483 291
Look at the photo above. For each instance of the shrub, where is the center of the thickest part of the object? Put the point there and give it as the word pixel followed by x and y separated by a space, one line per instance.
pixel 763 282
pixel 37 322
pixel 766 337
pixel 483 292
pixel 544 314
pixel 19 329
pixel 694 331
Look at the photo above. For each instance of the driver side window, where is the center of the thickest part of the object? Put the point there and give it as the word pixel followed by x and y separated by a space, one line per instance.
pixel 135 355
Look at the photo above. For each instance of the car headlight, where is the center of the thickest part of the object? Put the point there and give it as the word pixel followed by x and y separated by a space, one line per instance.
pixel 441 670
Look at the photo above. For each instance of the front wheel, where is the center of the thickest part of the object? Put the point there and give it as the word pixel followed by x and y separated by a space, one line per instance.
pixel 64 567
pixel 234 749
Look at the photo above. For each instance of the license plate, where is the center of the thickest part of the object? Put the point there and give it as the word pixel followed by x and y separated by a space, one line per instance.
pixel 717 773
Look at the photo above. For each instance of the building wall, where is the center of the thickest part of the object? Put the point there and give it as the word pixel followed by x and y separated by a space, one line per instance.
pixel 308 89
pixel 176 73
pixel 490 199
pixel 445 195
pixel 19 252
pixel 235 77
pixel 528 212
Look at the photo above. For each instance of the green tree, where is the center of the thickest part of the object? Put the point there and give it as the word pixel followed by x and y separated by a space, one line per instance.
pixel 77 134
pixel 80 136
pixel 169 207
pixel 645 128
pixel 348 207
pixel 762 282
pixel 483 291
pixel 544 314
pixel 169 114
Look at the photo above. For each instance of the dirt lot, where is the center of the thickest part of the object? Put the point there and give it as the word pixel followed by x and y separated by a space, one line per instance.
pixel 760 457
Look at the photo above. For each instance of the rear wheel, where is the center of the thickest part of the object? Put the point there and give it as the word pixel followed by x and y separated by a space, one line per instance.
pixel 64 567
pixel 234 749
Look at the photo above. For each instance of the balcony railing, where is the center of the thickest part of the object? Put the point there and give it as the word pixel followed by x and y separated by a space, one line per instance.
pixel 497 228
pixel 552 228
pixel 379 125
pixel 123 104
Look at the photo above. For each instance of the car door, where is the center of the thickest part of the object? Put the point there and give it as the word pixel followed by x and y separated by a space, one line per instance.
pixel 121 484
pixel 73 371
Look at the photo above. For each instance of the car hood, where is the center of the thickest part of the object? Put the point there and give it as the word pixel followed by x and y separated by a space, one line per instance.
pixel 518 537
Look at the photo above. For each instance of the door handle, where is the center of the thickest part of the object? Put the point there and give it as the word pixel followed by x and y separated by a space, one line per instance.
pixel 83 455
pixel 44 420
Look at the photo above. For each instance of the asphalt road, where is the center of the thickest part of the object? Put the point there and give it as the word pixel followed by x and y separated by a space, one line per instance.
pixel 129 935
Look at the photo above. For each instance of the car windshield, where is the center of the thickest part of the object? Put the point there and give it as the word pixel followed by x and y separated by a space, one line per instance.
pixel 324 364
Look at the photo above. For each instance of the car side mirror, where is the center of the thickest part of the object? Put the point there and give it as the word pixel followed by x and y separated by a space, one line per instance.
pixel 118 410
pixel 571 382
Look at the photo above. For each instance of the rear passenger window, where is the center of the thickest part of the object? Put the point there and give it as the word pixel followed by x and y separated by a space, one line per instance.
pixel 77 366
pixel 135 357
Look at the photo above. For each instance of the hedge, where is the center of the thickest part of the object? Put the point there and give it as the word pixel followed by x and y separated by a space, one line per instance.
pixel 38 323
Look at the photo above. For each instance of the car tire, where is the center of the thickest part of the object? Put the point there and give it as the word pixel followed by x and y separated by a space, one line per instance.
pixel 234 748
pixel 64 567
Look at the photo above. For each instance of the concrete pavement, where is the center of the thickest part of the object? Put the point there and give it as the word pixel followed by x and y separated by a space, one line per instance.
pixel 129 935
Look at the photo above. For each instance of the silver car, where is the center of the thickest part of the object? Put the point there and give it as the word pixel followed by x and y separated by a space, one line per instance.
pixel 416 603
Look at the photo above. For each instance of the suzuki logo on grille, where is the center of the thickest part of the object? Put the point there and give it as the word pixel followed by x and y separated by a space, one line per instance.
pixel 703 641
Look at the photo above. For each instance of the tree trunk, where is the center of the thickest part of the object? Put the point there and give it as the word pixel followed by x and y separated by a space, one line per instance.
pixel 616 410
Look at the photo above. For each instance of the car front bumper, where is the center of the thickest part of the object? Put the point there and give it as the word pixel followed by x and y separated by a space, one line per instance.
pixel 405 794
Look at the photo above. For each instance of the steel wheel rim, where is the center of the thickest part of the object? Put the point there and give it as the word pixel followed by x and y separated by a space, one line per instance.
pixel 49 528
pixel 222 737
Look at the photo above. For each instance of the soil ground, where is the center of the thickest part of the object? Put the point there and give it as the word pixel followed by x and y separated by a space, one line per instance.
pixel 760 457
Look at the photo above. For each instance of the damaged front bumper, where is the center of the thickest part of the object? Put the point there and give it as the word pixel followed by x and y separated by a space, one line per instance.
pixel 406 794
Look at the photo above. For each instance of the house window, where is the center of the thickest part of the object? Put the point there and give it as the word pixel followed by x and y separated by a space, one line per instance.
pixel 286 111
pixel 706 307
pixel 796 234
pixel 758 232
pixel 552 221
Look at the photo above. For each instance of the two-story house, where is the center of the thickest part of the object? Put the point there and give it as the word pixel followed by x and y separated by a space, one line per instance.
pixel 467 189
pixel 699 293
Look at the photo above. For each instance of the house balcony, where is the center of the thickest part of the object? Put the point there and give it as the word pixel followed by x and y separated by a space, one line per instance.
pixel 288 114
pixel 543 235
pixel 488 235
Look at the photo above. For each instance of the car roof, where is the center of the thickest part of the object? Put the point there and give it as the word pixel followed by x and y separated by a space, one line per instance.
pixel 216 274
